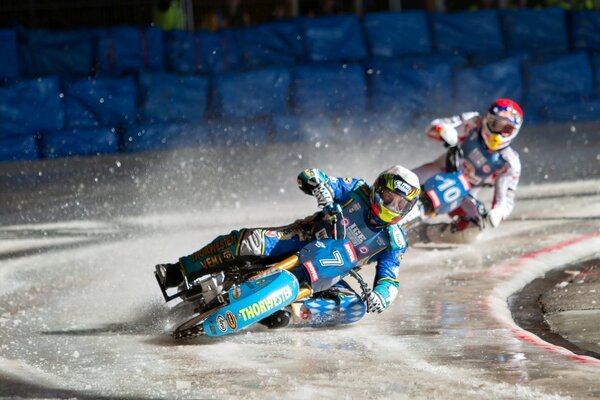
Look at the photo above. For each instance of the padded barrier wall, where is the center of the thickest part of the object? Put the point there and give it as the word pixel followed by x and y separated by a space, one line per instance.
pixel 9 67
pixel 79 142
pixel 303 79
pixel 166 97
pixel 252 94
pixel 49 52
pixel 93 103
pixel 397 34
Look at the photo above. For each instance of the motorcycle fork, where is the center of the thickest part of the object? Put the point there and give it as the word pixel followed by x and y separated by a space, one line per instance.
pixel 287 264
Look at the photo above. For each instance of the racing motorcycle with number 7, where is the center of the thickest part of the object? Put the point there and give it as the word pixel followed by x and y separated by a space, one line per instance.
pixel 309 282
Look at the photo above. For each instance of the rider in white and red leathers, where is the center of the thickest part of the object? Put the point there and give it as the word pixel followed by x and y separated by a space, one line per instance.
pixel 488 160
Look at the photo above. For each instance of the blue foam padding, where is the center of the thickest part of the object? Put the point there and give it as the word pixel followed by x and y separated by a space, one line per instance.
pixel 476 88
pixel 31 106
pixel 201 52
pixel 126 49
pixel 51 52
pixel 166 97
pixel 9 67
pixel 395 34
pixel 535 30
pixel 19 147
pixel 79 142
pixel 467 32
pixel 251 94
pixel 270 44
pixel 93 103
pixel 329 89
pixel 165 136
pixel 333 38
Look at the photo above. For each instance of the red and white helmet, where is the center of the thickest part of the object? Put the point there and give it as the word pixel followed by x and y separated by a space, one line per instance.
pixel 501 124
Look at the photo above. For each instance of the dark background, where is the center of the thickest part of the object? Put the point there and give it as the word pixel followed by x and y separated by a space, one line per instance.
pixel 62 14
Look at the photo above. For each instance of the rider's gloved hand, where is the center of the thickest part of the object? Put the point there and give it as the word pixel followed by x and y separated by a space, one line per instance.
pixel 494 217
pixel 382 295
pixel 324 195
pixel 332 209
pixel 444 132
pixel 313 181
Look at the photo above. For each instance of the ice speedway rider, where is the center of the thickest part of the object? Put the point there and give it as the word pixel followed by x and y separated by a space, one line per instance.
pixel 372 216
pixel 488 160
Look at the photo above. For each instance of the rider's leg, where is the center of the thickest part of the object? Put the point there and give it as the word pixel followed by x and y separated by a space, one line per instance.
pixel 238 247
pixel 465 227
pixel 337 305
pixel 220 251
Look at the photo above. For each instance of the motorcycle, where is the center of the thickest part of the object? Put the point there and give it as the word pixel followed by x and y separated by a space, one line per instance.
pixel 308 283
pixel 441 194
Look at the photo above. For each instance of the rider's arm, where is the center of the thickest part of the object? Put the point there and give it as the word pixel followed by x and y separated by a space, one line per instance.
pixel 385 287
pixel 309 179
pixel 451 130
pixel 505 188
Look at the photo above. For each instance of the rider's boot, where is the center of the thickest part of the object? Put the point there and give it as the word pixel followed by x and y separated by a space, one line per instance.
pixel 169 275
pixel 279 319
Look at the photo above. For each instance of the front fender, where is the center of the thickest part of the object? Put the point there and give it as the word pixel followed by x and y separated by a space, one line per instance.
pixel 252 301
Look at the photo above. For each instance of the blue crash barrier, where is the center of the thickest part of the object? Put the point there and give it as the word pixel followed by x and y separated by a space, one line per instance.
pixel 337 38
pixel 94 103
pixel 65 53
pixel 201 52
pixel 467 32
pixel 240 132
pixel 31 106
pixel 18 148
pixel 329 89
pixel 556 81
pixel 79 142
pixel 371 126
pixel 474 88
pixel 166 97
pixel 165 136
pixel 293 128
pixel 123 50
pixel 9 67
pixel 420 65
pixel 596 73
pixel 396 34
pixel 572 111
pixel 536 31
pixel 585 30
pixel 251 94
pixel 271 44
pixel 423 61
pixel 411 92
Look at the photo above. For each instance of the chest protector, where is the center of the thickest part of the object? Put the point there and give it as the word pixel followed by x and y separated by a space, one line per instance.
pixel 367 240
pixel 479 162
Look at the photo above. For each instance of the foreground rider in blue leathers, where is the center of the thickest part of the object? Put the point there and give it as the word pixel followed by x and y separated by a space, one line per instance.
pixel 371 219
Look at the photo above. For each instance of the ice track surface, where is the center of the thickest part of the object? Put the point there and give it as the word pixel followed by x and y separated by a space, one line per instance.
pixel 81 315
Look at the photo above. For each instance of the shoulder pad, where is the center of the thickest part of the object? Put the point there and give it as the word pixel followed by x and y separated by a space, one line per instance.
pixel 397 237
pixel 511 156
pixel 471 115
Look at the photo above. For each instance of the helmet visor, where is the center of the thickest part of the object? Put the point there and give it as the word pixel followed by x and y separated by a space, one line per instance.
pixel 499 126
pixel 393 201
pixel 393 205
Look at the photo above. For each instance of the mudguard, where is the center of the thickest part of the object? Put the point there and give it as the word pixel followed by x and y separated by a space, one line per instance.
pixel 345 309
pixel 446 190
pixel 252 301
pixel 327 261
